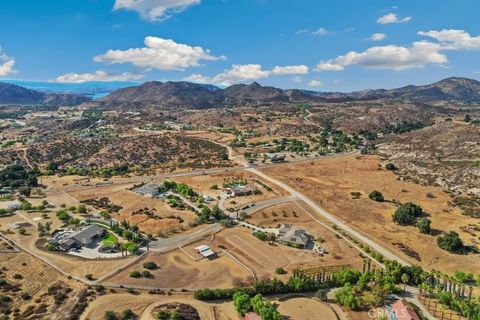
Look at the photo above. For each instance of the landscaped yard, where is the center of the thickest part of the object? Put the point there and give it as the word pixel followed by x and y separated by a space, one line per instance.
pixel 110 240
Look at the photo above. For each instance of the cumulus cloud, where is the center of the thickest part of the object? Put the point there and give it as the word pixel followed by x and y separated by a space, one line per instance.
pixel 328 66
pixel 377 37
pixel 421 53
pixel 155 10
pixel 198 78
pixel 315 83
pixel 160 54
pixel 450 39
pixel 241 72
pixel 6 64
pixel 392 18
pixel 97 76
pixel 299 69
pixel 236 74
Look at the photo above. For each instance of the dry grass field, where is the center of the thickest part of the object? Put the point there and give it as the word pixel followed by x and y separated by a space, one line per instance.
pixel 305 309
pixel 132 202
pixel 178 270
pixel 36 278
pixel 264 258
pixel 295 213
pixel 143 304
pixel 330 181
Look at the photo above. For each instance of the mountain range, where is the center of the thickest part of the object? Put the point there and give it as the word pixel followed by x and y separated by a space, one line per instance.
pixel 17 95
pixel 200 96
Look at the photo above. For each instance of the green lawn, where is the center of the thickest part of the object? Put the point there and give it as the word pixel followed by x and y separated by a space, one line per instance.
pixel 110 240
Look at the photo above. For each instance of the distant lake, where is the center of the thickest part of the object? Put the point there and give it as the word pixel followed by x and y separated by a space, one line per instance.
pixel 93 90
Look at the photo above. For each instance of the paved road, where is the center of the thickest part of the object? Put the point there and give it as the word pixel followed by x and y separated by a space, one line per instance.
pixel 168 244
pixel 387 254
pixel 260 205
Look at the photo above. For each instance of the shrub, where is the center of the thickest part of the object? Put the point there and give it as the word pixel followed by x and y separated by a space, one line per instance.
pixel 376 196
pixel 423 225
pixel 150 265
pixel 135 274
pixel 391 167
pixel 450 241
pixel 89 276
pixel 280 271
pixel 110 315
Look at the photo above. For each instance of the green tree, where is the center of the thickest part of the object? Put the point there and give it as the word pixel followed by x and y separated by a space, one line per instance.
pixel 423 225
pixel 407 214
pixel 268 312
pixel 346 297
pixel 242 303
pixel 131 247
pixel 376 196
pixel 405 280
pixel 450 241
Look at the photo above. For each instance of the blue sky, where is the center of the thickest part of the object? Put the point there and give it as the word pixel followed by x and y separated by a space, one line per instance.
pixel 340 45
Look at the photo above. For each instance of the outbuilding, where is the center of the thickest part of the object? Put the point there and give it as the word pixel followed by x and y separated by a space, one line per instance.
pixel 205 251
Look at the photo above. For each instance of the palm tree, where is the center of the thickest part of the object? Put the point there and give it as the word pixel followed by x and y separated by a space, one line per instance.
pixel 405 279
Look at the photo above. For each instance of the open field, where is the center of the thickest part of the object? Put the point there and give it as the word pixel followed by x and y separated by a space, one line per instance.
pixel 143 304
pixel 295 213
pixel 131 203
pixel 264 258
pixel 305 309
pixel 34 278
pixel 330 181
pixel 178 270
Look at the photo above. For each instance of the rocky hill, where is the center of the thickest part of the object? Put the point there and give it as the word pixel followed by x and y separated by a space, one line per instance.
pixel 200 96
pixel 13 94
pixel 459 89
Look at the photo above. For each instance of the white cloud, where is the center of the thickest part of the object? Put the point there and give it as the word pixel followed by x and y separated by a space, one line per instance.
pixel 6 64
pixel 236 74
pixel 377 37
pixel 421 53
pixel 299 69
pixel 392 18
pixel 320 32
pixel 7 68
pixel 328 66
pixel 450 39
pixel 315 83
pixel 97 76
pixel 302 31
pixel 198 78
pixel 240 73
pixel 297 79
pixel 161 54
pixel 155 10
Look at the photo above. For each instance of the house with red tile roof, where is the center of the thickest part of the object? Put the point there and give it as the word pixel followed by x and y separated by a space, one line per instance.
pixel 403 311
